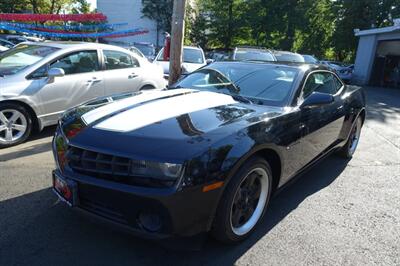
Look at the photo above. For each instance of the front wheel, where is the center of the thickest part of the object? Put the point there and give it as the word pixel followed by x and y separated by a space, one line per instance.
pixel 15 124
pixel 244 202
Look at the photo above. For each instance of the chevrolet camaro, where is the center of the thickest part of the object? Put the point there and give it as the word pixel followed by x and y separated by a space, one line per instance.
pixel 206 154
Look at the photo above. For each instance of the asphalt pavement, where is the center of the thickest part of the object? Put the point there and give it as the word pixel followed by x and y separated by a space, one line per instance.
pixel 339 213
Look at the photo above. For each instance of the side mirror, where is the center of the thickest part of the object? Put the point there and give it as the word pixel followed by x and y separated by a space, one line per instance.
pixel 317 99
pixel 209 61
pixel 55 72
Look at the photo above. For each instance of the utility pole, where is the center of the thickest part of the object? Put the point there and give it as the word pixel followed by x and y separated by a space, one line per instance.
pixel 177 35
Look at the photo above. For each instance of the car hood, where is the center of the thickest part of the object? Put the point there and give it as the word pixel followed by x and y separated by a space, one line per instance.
pixel 172 124
pixel 188 67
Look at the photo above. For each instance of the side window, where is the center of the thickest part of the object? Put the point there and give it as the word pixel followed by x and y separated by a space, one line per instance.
pixel 323 82
pixel 41 72
pixel 80 62
pixel 118 60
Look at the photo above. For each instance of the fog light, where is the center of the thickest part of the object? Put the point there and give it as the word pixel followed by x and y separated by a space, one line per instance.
pixel 150 221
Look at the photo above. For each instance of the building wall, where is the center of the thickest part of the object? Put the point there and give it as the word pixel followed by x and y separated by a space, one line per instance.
pixel 128 11
pixel 364 59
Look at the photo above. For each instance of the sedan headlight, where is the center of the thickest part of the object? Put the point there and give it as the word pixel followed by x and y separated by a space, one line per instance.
pixel 156 170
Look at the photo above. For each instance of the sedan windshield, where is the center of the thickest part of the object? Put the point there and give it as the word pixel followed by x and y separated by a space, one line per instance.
pixel 243 55
pixel 262 84
pixel 289 57
pixel 193 56
pixel 16 59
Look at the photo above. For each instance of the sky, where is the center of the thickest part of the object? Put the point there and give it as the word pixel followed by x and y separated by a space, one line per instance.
pixel 93 3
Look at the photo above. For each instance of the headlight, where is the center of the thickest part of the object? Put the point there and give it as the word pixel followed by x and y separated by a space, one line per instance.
pixel 156 170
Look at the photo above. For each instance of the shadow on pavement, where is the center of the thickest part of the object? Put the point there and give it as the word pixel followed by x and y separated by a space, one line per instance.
pixel 29 148
pixel 382 103
pixel 36 229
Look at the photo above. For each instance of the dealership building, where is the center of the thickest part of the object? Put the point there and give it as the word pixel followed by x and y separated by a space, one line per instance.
pixel 378 56
pixel 130 12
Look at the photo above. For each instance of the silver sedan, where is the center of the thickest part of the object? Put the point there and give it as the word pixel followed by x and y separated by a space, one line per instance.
pixel 39 81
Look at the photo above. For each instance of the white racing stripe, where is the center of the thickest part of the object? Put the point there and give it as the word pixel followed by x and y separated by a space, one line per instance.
pixel 100 112
pixel 163 109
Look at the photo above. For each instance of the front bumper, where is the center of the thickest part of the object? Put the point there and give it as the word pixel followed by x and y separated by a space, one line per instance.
pixel 182 213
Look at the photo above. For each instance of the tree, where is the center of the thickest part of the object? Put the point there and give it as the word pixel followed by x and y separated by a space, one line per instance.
pixel 161 12
pixel 363 14
pixel 81 7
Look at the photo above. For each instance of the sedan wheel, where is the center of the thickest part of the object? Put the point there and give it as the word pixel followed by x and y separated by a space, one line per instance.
pixel 244 201
pixel 15 125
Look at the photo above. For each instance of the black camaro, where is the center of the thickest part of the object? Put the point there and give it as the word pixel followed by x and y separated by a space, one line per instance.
pixel 206 154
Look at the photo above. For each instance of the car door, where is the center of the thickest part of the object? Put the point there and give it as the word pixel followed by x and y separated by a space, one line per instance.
pixel 122 72
pixel 321 125
pixel 82 81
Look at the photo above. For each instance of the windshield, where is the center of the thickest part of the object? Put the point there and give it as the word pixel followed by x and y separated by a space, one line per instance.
pixel 340 64
pixel 263 84
pixel 16 59
pixel 146 49
pixel 286 57
pixel 193 56
pixel 242 55
pixel 310 59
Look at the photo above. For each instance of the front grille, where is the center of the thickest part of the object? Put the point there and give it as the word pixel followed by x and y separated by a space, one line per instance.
pixel 101 209
pixel 109 167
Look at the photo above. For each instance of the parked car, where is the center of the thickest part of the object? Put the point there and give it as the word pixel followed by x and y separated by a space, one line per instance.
pixel 147 49
pixel 344 71
pixel 310 59
pixel 219 54
pixel 6 43
pixel 136 51
pixel 193 59
pixel 16 39
pixel 284 56
pixel 249 53
pixel 3 49
pixel 208 153
pixel 39 81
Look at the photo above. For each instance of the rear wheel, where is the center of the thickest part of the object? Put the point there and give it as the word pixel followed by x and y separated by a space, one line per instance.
pixel 349 149
pixel 244 202
pixel 15 124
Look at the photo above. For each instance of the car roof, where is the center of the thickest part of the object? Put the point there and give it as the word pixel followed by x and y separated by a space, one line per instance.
pixel 284 52
pixel 72 44
pixel 192 47
pixel 252 48
pixel 296 65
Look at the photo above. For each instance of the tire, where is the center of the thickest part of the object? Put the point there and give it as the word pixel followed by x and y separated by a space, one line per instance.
pixel 14 133
pixel 227 227
pixel 348 150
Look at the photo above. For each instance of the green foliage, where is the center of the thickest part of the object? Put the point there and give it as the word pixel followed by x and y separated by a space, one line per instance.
pixel 323 28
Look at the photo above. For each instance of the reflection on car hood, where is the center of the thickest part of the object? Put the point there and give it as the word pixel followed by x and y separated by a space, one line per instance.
pixel 154 123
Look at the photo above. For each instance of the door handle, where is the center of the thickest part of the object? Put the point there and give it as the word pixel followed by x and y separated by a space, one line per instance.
pixel 132 76
pixel 94 80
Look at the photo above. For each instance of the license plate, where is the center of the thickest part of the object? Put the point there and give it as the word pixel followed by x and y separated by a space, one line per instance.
pixel 66 190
